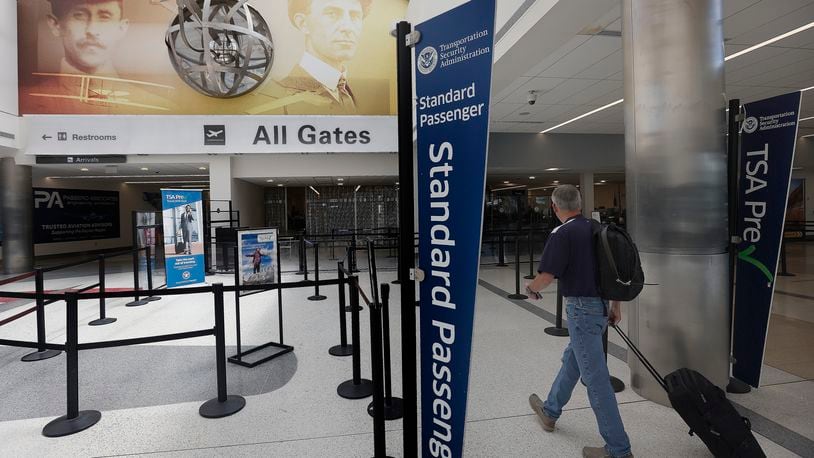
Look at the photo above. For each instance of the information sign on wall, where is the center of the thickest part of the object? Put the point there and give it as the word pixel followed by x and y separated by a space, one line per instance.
pixel 69 215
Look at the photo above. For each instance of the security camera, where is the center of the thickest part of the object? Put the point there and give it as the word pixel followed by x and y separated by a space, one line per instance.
pixel 532 97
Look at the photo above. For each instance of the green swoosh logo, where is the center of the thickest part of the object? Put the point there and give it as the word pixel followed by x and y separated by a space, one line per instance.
pixel 746 255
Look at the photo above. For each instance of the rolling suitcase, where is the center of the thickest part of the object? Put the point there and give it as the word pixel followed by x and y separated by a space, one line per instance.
pixel 705 409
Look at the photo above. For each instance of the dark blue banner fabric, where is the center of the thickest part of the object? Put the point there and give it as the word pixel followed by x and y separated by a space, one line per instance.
pixel 183 236
pixel 768 138
pixel 70 215
pixel 453 80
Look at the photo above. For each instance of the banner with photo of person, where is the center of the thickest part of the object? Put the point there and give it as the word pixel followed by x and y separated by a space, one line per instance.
pixel 183 236
pixel 258 256
pixel 301 57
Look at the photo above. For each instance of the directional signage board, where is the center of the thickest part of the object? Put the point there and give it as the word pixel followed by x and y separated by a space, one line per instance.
pixel 768 139
pixel 453 81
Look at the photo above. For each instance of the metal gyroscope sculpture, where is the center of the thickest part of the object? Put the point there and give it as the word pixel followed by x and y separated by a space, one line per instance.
pixel 222 48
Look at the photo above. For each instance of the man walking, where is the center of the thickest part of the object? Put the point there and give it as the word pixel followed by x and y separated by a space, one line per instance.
pixel 569 257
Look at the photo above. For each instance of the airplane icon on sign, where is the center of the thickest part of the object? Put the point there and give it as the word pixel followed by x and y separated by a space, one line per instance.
pixel 215 135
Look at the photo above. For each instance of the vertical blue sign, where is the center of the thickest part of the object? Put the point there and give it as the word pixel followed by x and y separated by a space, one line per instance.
pixel 453 82
pixel 769 135
pixel 183 237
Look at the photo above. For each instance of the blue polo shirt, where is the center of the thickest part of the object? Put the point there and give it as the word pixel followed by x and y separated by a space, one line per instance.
pixel 569 256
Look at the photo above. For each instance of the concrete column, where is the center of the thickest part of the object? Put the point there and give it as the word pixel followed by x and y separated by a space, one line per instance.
pixel 17 207
pixel 677 187
pixel 220 178
pixel 586 188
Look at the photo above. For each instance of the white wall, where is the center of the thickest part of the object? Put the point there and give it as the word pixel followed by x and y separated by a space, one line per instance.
pixel 314 165
pixel 130 199
pixel 8 76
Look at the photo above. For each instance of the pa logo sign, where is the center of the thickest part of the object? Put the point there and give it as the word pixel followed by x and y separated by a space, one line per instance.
pixel 49 199
pixel 750 125
pixel 427 60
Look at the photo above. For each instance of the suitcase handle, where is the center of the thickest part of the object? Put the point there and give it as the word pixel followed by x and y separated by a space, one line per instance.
pixel 641 357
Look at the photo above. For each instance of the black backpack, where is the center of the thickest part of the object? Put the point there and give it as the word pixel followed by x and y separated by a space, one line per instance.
pixel 619 270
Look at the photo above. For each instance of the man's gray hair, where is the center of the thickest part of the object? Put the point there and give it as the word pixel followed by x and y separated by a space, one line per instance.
pixel 566 197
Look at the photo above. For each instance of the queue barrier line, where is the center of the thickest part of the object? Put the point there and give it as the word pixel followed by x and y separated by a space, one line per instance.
pixel 17 278
pixel 145 340
pixel 27 344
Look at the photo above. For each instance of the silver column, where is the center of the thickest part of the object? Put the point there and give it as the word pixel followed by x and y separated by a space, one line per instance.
pixel 17 206
pixel 676 186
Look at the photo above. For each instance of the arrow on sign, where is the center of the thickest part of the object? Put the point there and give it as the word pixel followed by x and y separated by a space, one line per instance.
pixel 46 137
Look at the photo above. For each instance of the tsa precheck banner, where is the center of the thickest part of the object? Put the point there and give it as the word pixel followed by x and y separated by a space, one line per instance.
pixel 453 81
pixel 183 236
pixel 769 135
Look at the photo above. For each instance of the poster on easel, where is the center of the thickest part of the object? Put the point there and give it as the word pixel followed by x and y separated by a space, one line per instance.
pixel 182 217
pixel 257 249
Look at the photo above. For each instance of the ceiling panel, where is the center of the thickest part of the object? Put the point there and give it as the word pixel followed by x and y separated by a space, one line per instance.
pixel 605 68
pixel 552 58
pixel 594 92
pixel 590 52
pixel 760 13
pixel 533 84
pixel 565 90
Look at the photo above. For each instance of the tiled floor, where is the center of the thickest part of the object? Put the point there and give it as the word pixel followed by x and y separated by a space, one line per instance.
pixel 292 408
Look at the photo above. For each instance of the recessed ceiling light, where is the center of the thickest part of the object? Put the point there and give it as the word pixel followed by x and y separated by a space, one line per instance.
pixel 556 181
pixel 270 180
pixel 201 168
pixel 144 169
pixel 340 184
pixel 84 169
pixel 532 178
pixel 397 183
pixel 553 169
pixel 806 119
pixel 340 179
pixel 280 185
pixel 505 182
pixel 603 181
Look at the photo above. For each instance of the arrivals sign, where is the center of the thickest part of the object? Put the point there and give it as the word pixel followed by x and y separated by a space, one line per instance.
pixel 183 236
pixel 99 135
pixel 453 80
pixel 769 134
pixel 70 215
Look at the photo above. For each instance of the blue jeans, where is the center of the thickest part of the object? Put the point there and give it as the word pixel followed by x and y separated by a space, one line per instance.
pixel 587 321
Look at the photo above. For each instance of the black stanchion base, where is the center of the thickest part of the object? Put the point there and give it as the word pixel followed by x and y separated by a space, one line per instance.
pixel 618 385
pixel 395 282
pixel 40 355
pixel 349 309
pixel 137 303
pixel 315 297
pixel 557 332
pixel 152 298
pixel 348 390
pixel 64 426
pixel 281 350
pixel 394 411
pixel 339 350
pixel 737 387
pixel 529 277
pixel 517 297
pixel 214 408
pixel 102 321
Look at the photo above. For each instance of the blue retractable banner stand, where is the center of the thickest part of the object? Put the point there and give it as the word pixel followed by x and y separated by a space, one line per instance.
pixel 183 237
pixel 453 82
pixel 769 135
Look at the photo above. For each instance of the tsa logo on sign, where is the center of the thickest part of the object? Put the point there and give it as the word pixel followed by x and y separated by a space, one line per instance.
pixel 750 125
pixel 186 275
pixel 427 60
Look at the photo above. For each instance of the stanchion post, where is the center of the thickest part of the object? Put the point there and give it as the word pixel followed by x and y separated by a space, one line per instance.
pixel 783 267
pixel 557 330
pixel 225 404
pixel 148 252
pixel 377 406
pixel 357 387
pixel 501 254
pixel 137 301
pixel 41 353
pixel 517 295
pixel 343 349
pixel 393 406
pixel 316 296
pixel 531 275
pixel 103 319
pixel 397 281
pixel 75 420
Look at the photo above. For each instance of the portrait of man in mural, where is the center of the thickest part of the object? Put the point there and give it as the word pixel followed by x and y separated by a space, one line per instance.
pixel 332 29
pixel 90 31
